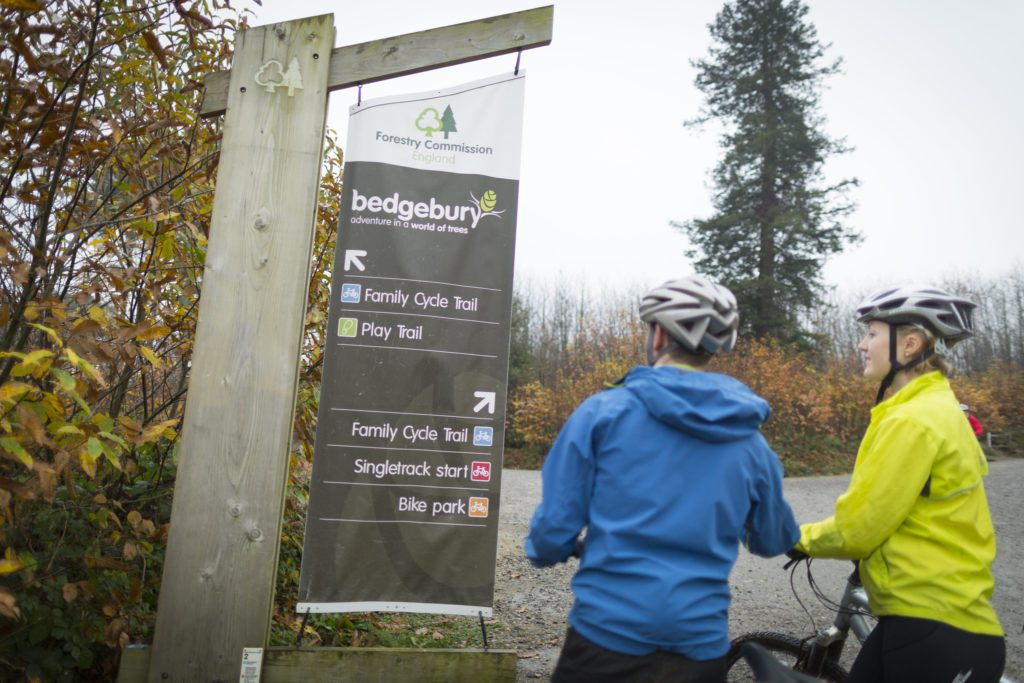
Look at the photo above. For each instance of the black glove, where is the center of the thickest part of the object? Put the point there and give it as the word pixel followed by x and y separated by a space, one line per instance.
pixel 794 556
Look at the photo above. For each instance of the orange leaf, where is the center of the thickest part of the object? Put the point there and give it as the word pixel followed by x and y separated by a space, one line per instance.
pixel 106 563
pixel 153 43
pixel 8 604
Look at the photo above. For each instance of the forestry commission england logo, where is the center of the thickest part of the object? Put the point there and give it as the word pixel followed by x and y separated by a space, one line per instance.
pixel 430 121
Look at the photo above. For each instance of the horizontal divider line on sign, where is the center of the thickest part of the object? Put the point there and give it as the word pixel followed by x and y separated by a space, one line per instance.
pixel 409 279
pixel 409 486
pixel 396 521
pixel 394 412
pixel 419 315
pixel 409 348
pixel 394 448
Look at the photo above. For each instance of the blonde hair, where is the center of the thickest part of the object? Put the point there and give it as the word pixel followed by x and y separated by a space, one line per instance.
pixel 936 361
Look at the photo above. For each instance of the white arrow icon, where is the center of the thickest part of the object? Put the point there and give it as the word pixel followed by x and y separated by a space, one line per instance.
pixel 486 401
pixel 352 257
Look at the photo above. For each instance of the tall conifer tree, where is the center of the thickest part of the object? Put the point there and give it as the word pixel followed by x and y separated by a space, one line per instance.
pixel 776 220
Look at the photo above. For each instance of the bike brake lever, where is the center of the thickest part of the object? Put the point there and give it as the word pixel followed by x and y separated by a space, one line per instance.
pixel 794 557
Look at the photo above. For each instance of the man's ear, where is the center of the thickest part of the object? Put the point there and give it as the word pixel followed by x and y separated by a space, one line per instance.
pixel 660 338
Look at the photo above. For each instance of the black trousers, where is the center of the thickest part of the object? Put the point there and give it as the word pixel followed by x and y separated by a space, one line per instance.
pixel 907 650
pixel 583 661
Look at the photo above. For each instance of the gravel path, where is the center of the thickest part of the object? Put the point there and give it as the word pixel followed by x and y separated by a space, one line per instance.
pixel 531 604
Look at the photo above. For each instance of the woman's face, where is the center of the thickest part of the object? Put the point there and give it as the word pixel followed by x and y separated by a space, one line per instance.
pixel 875 347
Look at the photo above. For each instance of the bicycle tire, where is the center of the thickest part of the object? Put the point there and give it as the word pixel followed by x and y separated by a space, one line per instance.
pixel 786 649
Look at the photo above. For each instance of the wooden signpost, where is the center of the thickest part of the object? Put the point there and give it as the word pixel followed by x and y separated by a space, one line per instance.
pixel 217 589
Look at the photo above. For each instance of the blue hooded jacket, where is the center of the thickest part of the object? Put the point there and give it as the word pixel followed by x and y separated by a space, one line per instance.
pixel 668 474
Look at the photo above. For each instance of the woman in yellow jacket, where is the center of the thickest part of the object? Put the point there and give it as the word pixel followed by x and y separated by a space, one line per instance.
pixel 915 513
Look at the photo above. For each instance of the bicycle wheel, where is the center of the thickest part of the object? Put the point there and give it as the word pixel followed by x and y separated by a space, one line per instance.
pixel 786 649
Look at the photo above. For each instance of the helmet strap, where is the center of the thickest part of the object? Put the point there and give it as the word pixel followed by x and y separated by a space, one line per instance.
pixel 895 366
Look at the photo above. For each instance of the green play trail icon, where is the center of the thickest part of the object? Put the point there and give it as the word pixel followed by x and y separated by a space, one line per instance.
pixel 348 327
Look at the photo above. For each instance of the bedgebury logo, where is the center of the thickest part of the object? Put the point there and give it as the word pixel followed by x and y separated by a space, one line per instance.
pixel 430 122
pixel 485 206
pixel 405 211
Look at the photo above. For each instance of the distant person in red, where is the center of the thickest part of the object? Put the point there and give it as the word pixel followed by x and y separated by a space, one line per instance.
pixel 979 431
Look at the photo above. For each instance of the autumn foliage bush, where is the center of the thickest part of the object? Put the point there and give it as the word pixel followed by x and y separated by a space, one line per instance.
pixel 106 186
pixel 821 404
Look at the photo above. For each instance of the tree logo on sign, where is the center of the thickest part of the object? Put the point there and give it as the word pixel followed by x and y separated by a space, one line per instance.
pixel 430 121
pixel 483 207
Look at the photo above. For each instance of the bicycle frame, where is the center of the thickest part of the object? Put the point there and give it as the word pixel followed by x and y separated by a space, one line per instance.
pixel 828 644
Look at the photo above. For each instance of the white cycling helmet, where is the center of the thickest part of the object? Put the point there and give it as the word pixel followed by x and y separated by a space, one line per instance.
pixel 699 315
pixel 945 314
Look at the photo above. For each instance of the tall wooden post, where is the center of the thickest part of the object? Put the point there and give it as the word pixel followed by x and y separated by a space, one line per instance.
pixel 218 581
pixel 217 589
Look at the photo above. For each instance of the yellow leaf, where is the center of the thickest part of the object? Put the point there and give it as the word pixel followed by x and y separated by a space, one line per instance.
pixel 158 332
pixel 149 355
pixel 26 5
pixel 10 565
pixel 86 367
pixel 88 455
pixel 50 332
pixel 30 362
pixel 70 592
pixel 96 313
pixel 14 390
pixel 155 431
pixel 69 430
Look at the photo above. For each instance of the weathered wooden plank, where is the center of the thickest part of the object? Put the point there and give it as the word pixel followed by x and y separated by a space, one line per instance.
pixel 392 665
pixel 415 52
pixel 221 562
pixel 388 665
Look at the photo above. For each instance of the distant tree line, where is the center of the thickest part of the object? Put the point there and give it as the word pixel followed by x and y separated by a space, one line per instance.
pixel 568 343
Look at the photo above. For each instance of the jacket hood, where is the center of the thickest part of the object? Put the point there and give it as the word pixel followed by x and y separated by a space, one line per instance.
pixel 706 405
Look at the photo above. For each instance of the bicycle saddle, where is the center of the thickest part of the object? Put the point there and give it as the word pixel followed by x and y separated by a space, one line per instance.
pixel 767 669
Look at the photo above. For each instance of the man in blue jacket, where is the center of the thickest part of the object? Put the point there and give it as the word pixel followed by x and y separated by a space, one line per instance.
pixel 667 473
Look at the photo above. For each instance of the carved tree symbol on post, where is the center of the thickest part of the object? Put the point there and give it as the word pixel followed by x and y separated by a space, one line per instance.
pixel 272 75
pixel 293 77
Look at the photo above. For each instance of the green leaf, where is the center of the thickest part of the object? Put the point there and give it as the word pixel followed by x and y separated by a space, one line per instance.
pixel 112 458
pixel 15 449
pixel 103 421
pixel 94 448
pixel 67 382
pixel 115 438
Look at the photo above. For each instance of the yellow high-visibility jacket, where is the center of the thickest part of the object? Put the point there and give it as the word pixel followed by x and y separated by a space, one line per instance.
pixel 915 513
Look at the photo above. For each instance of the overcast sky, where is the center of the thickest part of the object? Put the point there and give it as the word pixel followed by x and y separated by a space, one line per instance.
pixel 931 98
